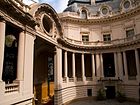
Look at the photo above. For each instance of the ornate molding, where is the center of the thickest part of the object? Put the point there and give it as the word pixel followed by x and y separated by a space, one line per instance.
pixel 103 20
pixel 45 8
pixel 9 8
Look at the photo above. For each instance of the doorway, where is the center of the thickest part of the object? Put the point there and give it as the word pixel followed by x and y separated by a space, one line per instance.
pixel 44 72
pixel 110 92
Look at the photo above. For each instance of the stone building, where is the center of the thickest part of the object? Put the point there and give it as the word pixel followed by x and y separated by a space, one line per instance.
pixel 91 45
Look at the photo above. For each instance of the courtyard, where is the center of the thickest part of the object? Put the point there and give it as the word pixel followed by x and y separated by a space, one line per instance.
pixel 106 102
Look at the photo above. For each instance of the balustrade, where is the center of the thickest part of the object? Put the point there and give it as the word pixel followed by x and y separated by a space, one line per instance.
pixel 14 87
pixel 104 43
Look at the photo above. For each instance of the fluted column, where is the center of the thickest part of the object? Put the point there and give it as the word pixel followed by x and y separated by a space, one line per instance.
pixel 125 65
pixel 66 66
pixel 137 64
pixel 20 62
pixel 116 64
pixel 2 44
pixel 73 66
pixel 83 68
pixel 93 66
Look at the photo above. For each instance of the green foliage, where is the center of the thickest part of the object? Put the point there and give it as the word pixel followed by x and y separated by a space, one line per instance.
pixel 121 96
pixel 101 94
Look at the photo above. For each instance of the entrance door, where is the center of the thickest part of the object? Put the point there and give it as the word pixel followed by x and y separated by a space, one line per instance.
pixel 43 72
pixel 110 92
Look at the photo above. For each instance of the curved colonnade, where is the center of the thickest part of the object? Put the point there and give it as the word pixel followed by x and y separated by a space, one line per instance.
pixel 95 56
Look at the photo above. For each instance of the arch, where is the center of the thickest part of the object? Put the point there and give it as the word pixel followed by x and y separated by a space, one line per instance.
pixel 37 10
pixel 84 13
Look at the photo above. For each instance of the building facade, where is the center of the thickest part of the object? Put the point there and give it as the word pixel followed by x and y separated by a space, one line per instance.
pixel 92 45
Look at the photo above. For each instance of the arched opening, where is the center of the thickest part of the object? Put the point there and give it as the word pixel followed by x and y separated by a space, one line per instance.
pixel 44 72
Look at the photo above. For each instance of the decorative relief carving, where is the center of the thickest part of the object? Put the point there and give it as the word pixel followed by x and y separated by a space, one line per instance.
pixel 47 18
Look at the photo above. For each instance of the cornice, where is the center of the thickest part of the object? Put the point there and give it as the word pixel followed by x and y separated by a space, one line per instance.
pixel 12 10
pixel 103 20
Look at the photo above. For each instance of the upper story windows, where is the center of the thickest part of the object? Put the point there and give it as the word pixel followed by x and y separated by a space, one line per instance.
pixel 130 33
pixel 106 37
pixel 85 37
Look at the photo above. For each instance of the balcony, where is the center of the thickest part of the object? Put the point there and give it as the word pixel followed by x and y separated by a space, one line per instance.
pixel 14 87
pixel 103 43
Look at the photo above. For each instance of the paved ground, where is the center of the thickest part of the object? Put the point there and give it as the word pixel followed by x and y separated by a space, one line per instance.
pixel 107 102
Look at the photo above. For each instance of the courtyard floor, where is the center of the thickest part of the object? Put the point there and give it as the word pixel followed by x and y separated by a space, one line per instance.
pixel 106 102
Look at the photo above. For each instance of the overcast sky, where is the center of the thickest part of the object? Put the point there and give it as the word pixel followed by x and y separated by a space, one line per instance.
pixel 58 5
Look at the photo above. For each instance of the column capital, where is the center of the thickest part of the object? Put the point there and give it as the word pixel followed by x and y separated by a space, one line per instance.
pixel 2 19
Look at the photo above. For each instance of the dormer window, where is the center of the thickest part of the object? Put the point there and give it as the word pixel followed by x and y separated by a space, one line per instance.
pixel 84 14
pixel 126 4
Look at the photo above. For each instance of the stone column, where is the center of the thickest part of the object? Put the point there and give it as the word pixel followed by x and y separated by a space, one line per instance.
pixel 66 66
pixel 116 64
pixel 125 65
pixel 93 66
pixel 83 68
pixel 137 64
pixel 101 66
pixel 58 67
pixel 98 66
pixel 28 64
pixel 73 66
pixel 120 65
pixel 20 62
pixel 2 45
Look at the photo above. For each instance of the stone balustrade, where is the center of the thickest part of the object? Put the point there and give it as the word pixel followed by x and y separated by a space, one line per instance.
pixel 9 88
pixel 103 43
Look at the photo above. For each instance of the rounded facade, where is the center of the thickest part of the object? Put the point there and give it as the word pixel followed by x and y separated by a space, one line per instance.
pixel 93 46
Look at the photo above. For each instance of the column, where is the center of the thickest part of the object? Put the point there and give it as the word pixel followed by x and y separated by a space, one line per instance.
pixel 101 66
pixel 2 45
pixel 93 66
pixel 137 64
pixel 20 62
pixel 125 65
pixel 116 64
pixel 28 64
pixel 66 66
pixel 58 67
pixel 73 66
pixel 83 68
pixel 98 65
pixel 120 65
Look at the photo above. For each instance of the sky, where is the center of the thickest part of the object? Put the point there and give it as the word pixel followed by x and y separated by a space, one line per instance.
pixel 58 5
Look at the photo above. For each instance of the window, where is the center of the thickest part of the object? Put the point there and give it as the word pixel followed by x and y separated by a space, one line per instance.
pixel 85 38
pixel 126 4
pixel 130 33
pixel 107 37
pixel 84 14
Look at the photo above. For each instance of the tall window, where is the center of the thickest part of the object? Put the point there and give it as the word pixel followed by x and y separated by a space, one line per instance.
pixel 85 38
pixel 107 37
pixel 130 33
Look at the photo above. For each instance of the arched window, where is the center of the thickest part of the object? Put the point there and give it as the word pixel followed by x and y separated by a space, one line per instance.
pixel 84 14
